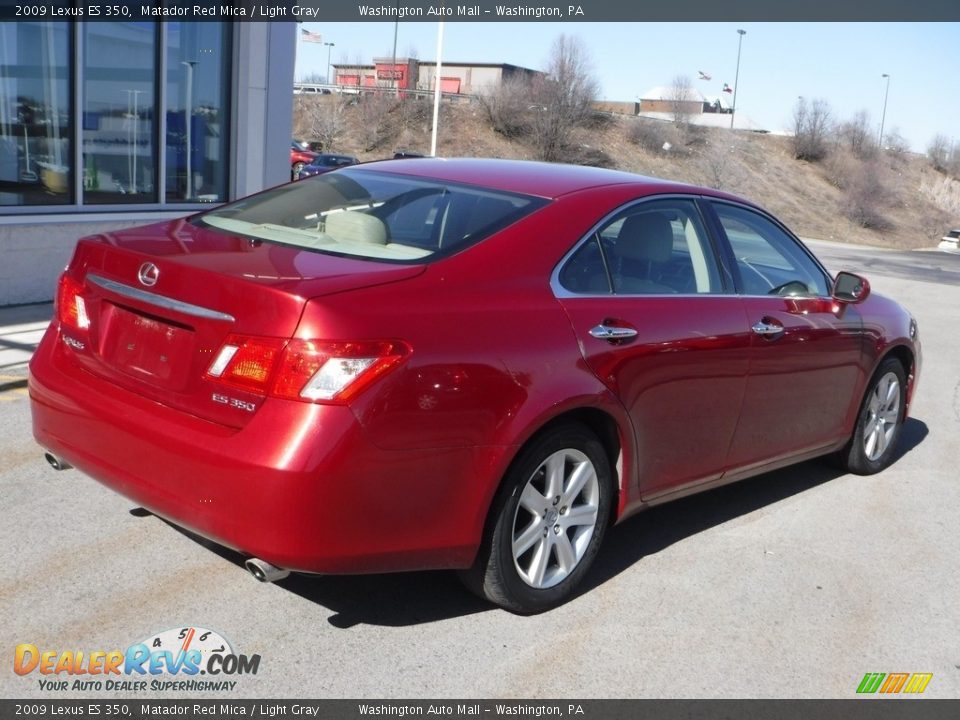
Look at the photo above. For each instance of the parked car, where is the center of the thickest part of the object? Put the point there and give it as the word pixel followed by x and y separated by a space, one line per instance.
pixel 300 157
pixel 468 364
pixel 950 241
pixel 325 162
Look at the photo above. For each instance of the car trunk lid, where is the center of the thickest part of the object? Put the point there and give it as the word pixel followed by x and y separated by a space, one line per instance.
pixel 159 302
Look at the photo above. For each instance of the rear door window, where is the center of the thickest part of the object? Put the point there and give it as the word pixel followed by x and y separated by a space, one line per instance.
pixel 650 248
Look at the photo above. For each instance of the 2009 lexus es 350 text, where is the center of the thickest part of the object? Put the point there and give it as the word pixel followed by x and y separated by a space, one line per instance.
pixel 469 364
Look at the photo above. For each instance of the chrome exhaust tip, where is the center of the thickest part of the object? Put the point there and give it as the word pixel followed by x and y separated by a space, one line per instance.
pixel 264 571
pixel 55 462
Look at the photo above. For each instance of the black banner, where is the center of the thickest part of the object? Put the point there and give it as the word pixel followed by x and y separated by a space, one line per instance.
pixel 859 709
pixel 480 10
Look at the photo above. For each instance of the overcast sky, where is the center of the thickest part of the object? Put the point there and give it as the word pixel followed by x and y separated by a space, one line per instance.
pixel 840 62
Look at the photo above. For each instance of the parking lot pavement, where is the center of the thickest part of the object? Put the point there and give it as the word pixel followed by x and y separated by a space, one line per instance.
pixel 792 584
pixel 21 328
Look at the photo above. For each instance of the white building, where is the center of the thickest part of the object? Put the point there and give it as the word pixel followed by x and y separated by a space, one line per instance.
pixel 108 125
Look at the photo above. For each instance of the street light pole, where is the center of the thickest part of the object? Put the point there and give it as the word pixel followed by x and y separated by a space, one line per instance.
pixel 329 45
pixel 393 68
pixel 736 77
pixel 883 117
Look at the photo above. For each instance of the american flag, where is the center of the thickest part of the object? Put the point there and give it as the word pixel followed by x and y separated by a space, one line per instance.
pixel 308 36
pixel 727 88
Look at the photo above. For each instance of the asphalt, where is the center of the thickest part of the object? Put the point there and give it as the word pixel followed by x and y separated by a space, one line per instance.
pixel 21 327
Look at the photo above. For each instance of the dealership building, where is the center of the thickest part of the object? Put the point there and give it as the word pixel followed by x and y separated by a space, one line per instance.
pixel 105 125
pixel 413 74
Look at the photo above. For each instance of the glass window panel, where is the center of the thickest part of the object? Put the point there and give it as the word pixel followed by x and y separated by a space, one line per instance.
pixel 119 129
pixel 198 62
pixel 660 248
pixel 35 111
pixel 769 260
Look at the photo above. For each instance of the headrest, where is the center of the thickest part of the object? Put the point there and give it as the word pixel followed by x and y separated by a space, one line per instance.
pixel 646 236
pixel 356 227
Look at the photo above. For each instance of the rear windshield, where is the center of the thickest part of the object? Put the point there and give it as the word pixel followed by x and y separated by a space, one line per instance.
pixel 373 214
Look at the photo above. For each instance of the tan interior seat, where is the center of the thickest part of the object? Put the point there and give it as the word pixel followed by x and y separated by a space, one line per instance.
pixel 644 245
pixel 356 227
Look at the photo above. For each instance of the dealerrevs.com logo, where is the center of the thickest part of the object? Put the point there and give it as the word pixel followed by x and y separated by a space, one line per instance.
pixel 188 659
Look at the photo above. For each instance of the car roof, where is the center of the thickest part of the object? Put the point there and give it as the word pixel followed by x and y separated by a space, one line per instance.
pixel 541 179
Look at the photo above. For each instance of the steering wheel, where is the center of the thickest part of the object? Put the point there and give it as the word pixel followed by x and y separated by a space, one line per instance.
pixel 794 287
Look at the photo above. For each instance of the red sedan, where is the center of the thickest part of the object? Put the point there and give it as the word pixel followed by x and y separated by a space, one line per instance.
pixel 300 156
pixel 469 364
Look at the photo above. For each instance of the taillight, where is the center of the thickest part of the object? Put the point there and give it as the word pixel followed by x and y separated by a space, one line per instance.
pixel 247 362
pixel 333 372
pixel 71 309
pixel 306 370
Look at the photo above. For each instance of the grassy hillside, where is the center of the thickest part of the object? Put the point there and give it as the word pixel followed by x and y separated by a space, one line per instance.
pixel 891 200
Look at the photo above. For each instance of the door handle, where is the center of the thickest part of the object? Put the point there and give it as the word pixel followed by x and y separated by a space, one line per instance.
pixel 612 334
pixel 767 329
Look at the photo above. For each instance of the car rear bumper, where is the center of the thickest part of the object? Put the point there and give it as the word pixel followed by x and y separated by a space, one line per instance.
pixel 300 485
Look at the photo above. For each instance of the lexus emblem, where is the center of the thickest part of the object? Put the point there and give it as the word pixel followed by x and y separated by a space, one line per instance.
pixel 148 274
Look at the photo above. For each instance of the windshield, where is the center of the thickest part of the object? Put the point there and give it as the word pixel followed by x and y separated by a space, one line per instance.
pixel 373 214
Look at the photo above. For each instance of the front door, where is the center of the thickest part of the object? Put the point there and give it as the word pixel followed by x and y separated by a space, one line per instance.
pixel 806 349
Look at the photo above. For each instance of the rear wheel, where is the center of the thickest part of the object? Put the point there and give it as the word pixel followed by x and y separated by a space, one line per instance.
pixel 295 170
pixel 547 523
pixel 878 425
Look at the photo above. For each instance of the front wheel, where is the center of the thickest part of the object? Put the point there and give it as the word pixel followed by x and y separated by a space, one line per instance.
pixel 547 522
pixel 878 425
pixel 295 170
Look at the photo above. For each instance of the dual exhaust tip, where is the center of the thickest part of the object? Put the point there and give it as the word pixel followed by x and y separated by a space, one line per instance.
pixel 260 569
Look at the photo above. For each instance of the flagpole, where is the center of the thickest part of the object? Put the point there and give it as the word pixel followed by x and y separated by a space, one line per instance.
pixel 436 91
pixel 296 52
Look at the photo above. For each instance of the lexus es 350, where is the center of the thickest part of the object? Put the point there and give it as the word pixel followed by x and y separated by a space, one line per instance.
pixel 468 364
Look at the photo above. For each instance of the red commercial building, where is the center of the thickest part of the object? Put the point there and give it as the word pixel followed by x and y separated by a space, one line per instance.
pixel 413 74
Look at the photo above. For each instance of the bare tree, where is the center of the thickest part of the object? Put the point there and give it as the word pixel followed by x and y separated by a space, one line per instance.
pixel 377 120
pixel 858 135
pixel 720 170
pixel 562 101
pixel 867 195
pixel 811 127
pixel 939 151
pixel 652 135
pixel 680 96
pixel 327 120
pixel 895 142
pixel 507 105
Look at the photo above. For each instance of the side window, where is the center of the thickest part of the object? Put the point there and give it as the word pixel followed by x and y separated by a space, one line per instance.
pixel 585 273
pixel 660 248
pixel 769 260
pixel 651 248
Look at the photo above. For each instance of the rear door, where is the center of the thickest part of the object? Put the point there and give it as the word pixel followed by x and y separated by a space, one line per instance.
pixel 659 324
pixel 806 350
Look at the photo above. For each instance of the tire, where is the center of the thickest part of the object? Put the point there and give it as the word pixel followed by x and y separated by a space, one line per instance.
pixel 547 522
pixel 295 170
pixel 875 436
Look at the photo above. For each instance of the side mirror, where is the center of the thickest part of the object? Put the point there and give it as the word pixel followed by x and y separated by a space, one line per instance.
pixel 850 288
